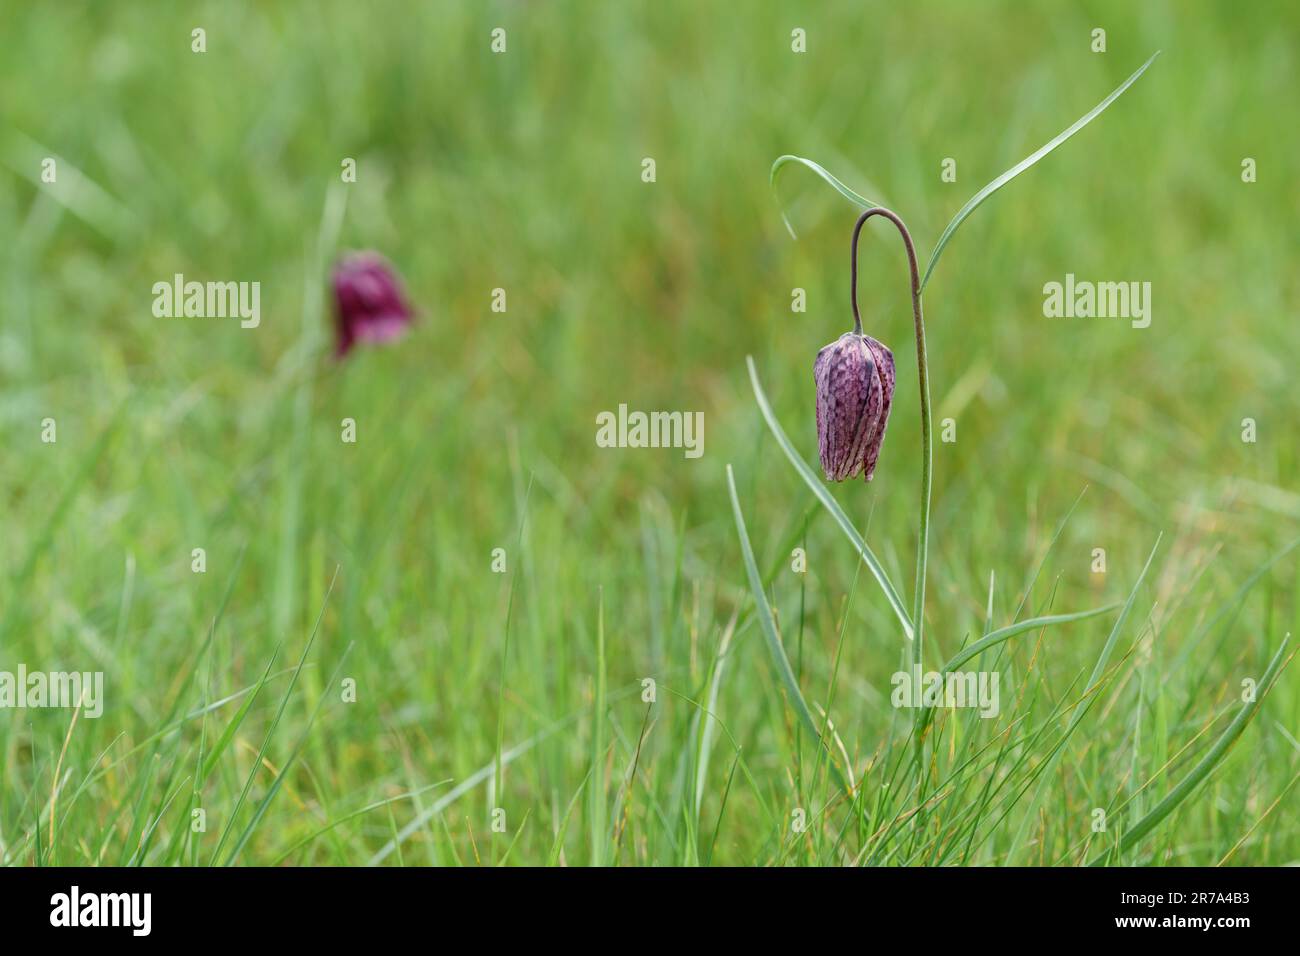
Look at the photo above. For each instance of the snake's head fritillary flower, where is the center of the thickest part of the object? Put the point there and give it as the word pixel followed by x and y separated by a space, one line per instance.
pixel 370 304
pixel 855 387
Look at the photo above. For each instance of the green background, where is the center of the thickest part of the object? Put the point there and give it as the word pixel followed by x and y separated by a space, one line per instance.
pixel 523 171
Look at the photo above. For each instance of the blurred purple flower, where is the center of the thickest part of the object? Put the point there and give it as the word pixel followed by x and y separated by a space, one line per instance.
pixel 854 376
pixel 370 304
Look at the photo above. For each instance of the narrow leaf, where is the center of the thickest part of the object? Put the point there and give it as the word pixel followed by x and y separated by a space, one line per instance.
pixel 1206 765
pixel 965 211
pixel 1091 692
pixel 839 187
pixel 1024 164
pixel 1003 633
pixel 768 625
pixel 819 490
pixel 1099 669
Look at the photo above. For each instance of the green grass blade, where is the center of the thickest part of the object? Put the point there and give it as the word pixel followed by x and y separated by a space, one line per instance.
pixel 768 625
pixel 469 783
pixel 42 542
pixel 1099 670
pixel 279 716
pixel 232 727
pixel 499 783
pixel 1024 164
pixel 1204 767
pixel 839 187
pixel 708 724
pixel 368 808
pixel 599 798
pixel 1003 633
pixel 819 491
pixel 272 790
pixel 557 847
pixel 1091 691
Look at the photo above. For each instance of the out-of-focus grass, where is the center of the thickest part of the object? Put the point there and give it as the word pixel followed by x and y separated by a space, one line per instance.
pixel 522 171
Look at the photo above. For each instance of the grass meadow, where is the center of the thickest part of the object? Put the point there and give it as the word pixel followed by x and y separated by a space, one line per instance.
pixel 358 677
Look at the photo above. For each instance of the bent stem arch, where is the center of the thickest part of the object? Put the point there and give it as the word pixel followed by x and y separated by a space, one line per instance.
pixel 923 382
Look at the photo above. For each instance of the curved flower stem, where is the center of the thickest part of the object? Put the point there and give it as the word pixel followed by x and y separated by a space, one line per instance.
pixel 923 376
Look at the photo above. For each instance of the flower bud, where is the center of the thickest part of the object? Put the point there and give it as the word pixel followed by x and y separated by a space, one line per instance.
pixel 370 305
pixel 854 376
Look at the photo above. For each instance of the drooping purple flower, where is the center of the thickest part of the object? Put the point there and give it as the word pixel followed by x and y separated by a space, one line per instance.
pixel 854 376
pixel 370 304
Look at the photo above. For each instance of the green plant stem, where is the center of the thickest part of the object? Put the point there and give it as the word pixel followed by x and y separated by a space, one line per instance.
pixel 923 380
